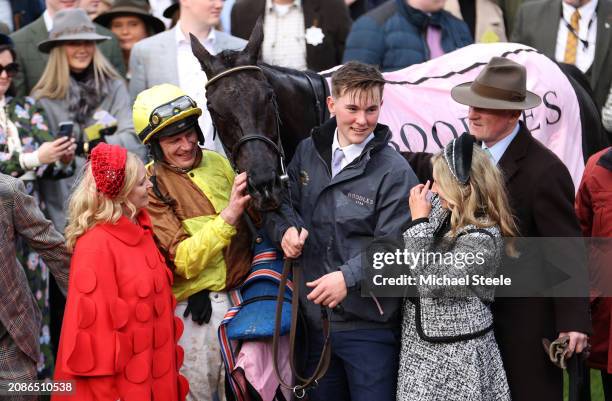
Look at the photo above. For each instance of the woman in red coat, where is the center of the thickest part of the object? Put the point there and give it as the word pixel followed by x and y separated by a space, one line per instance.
pixel 119 336
pixel 594 210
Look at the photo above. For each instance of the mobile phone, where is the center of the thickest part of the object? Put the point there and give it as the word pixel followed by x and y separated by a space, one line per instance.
pixel 65 129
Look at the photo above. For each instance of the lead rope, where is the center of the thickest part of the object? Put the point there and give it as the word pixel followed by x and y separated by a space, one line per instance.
pixel 298 390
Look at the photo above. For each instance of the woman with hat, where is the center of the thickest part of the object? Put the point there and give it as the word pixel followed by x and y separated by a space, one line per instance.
pixel 131 21
pixel 28 152
pixel 80 91
pixel 448 347
pixel 119 335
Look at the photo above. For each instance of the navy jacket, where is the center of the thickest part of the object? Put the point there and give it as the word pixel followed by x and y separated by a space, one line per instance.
pixel 393 36
pixel 26 11
pixel 367 200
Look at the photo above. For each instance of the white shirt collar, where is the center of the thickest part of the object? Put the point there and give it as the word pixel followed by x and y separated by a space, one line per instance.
pixel 586 11
pixel 48 20
pixel 352 151
pixel 270 4
pixel 182 39
pixel 498 150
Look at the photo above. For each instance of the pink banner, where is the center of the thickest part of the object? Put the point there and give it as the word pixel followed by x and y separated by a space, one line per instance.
pixel 424 117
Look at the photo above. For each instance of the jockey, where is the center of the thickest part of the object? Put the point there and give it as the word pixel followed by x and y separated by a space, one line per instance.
pixel 196 205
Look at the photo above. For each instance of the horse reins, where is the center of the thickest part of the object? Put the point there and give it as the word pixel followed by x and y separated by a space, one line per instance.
pixel 298 390
pixel 289 264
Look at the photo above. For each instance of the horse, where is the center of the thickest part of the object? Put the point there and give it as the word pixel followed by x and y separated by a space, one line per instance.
pixel 260 113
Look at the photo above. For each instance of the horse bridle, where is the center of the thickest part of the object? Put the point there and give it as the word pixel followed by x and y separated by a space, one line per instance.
pixel 233 153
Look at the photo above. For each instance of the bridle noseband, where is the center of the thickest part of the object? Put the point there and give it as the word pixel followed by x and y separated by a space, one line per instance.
pixel 278 146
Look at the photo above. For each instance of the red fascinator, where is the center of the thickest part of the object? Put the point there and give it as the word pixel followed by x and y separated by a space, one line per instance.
pixel 108 168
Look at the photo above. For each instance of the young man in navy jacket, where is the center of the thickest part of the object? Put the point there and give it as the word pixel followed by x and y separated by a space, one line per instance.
pixel 347 187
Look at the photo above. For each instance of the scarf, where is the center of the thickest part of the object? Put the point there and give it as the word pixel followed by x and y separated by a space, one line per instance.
pixel 84 96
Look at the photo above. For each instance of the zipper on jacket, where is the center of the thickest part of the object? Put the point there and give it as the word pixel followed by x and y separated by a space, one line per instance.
pixel 327 168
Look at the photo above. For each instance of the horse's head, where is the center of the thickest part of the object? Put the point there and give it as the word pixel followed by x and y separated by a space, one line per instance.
pixel 244 112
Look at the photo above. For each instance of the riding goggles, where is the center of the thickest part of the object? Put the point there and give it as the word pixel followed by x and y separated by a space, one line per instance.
pixel 173 108
pixel 167 114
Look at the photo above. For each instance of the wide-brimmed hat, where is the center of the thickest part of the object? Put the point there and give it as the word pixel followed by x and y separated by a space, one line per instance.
pixel 501 85
pixel 69 25
pixel 171 9
pixel 138 8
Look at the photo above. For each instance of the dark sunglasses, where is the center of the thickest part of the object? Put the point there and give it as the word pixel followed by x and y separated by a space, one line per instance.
pixel 11 69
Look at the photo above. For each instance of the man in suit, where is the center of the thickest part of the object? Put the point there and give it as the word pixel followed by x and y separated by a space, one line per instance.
pixel 541 195
pixel 576 32
pixel 20 317
pixel 167 57
pixel 32 62
pixel 306 35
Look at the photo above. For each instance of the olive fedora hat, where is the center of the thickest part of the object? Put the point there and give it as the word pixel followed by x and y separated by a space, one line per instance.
pixel 138 8
pixel 501 85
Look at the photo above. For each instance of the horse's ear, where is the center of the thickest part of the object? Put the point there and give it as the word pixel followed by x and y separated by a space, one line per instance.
pixel 253 48
pixel 203 56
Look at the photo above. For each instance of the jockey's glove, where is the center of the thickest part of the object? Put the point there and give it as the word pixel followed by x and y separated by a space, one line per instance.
pixel 199 306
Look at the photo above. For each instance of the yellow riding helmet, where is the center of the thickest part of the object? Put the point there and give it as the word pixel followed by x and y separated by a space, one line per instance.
pixel 159 107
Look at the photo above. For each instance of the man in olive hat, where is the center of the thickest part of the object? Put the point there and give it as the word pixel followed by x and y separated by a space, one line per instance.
pixel 541 195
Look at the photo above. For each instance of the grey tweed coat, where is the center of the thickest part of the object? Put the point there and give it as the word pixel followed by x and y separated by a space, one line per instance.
pixel 448 348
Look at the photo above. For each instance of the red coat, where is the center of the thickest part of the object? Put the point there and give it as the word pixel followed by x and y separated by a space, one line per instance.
pixel 594 210
pixel 119 335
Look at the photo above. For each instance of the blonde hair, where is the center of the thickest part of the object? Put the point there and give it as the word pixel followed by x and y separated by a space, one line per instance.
pixel 55 80
pixel 88 207
pixel 483 195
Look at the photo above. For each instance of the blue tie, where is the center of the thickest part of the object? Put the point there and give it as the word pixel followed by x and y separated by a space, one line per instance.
pixel 337 161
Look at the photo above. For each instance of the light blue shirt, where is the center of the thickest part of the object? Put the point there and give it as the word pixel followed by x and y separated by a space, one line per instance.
pixel 498 150
pixel 352 151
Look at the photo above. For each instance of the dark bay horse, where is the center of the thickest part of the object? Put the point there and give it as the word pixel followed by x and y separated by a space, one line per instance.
pixel 260 112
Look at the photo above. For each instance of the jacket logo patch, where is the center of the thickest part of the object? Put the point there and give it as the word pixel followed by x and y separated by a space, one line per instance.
pixel 360 199
pixel 304 178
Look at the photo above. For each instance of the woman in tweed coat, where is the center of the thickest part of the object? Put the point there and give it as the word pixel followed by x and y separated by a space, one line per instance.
pixel 448 347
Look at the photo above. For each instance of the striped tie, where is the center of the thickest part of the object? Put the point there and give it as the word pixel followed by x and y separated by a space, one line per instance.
pixel 572 39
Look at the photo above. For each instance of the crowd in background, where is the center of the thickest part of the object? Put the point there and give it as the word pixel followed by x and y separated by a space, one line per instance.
pixel 70 71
